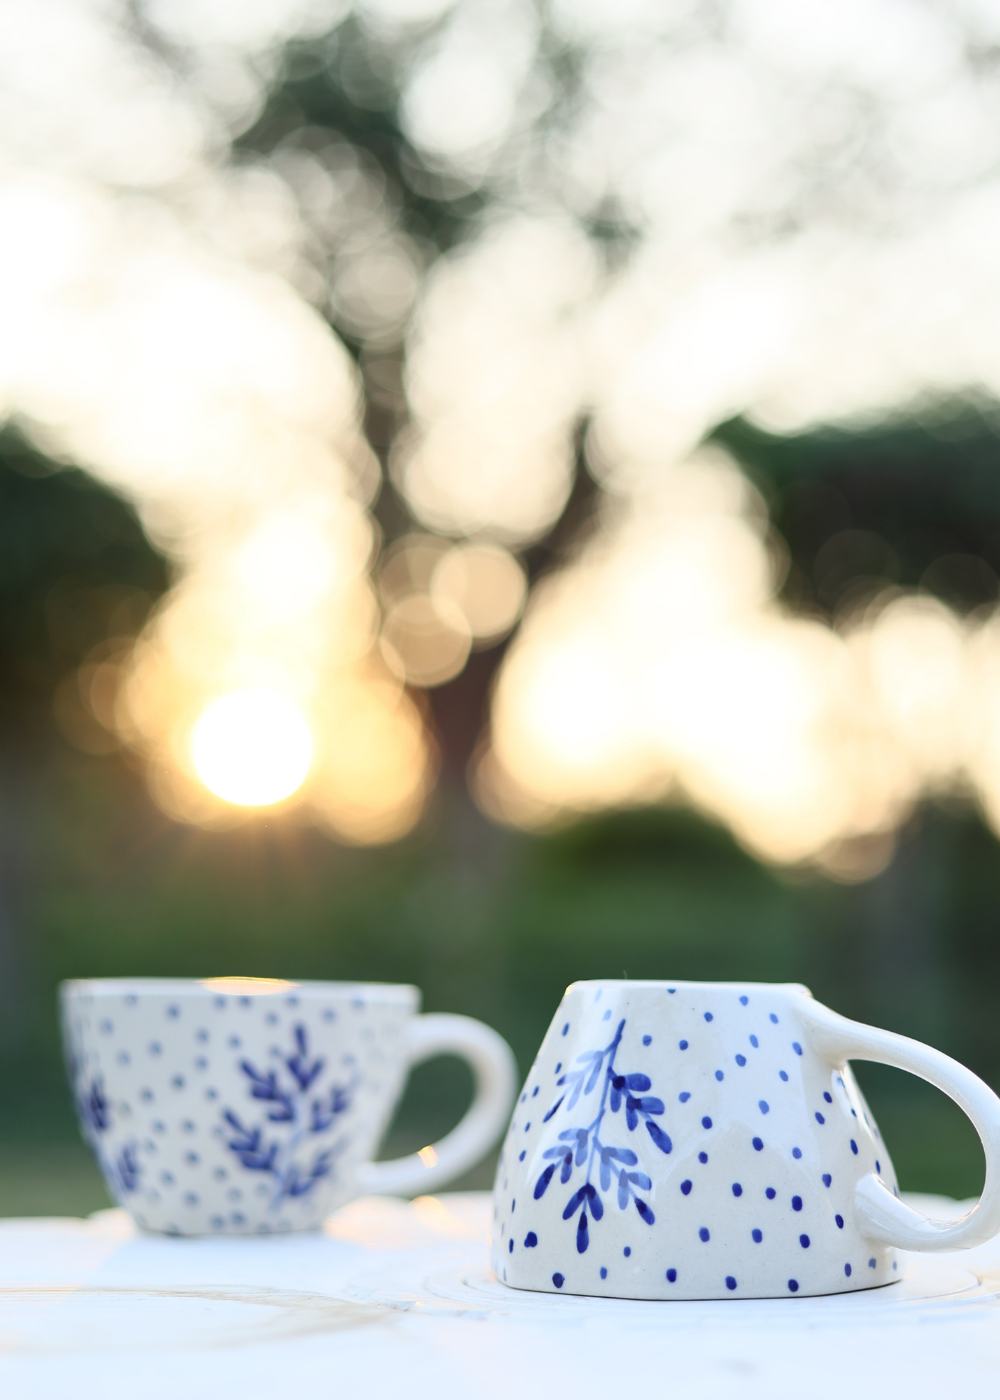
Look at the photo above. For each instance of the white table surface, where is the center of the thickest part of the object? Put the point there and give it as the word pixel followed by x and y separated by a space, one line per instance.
pixel 395 1299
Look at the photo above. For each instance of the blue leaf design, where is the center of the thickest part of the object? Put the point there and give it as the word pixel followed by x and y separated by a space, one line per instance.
pixel 659 1136
pixel 581 1147
pixel 541 1185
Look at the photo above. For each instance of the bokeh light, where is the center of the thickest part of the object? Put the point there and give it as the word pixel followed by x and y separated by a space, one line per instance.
pixel 669 216
pixel 252 748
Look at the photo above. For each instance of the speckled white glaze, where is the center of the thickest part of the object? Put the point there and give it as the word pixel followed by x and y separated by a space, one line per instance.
pixel 708 1140
pixel 247 1106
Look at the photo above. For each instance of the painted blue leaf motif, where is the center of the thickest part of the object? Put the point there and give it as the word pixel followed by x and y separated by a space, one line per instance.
pixel 659 1136
pixel 129 1170
pixel 541 1185
pixel 585 1193
pixel 290 1104
pixel 583 1147
pixel 582 1234
pixel 624 1194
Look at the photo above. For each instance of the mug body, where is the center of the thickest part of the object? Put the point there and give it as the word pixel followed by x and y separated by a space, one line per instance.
pixel 685 1140
pixel 236 1105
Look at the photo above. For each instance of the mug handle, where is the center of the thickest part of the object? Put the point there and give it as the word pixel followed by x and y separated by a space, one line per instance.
pixel 880 1215
pixel 495 1072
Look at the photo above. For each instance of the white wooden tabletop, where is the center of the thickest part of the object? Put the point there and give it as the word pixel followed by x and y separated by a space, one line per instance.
pixel 395 1299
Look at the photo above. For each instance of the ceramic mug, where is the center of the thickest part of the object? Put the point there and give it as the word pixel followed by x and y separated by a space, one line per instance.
pixel 244 1105
pixel 708 1140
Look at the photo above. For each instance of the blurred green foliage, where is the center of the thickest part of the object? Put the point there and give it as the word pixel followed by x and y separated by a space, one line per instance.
pixel 95 881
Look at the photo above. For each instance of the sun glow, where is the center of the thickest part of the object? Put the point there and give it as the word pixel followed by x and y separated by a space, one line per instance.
pixel 252 748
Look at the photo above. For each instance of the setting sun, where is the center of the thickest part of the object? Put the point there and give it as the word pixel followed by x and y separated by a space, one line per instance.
pixel 252 748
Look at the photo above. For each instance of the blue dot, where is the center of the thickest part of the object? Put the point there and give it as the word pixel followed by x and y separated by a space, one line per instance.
pixel 796 1047
pixel 827 1178
pixel 796 1153
pixel 686 1188
pixel 607 1015
pixel 604 1273
pixel 878 1166
pixel 706 1122
pixel 510 1246
pixel 782 1076
pixel 756 1236
pixel 854 1147
pixel 730 1282
pixel 534 1092
pixel 754 1041
pixel 737 1189
pixel 703 1235
pixel 647 1040
pixel 847 1270
pixel 683 1045
pixel 774 1019
pixel 702 1157
pixel 793 1286
pixel 827 1096
pixel 530 1240
pixel 565 1031
pixel 627 1251
pixel 764 1106
pixel 796 1203
pixel 744 1000
pixel 840 1221
pixel 684 1096
pixel 558 1067
pixel 708 1015
pixel 770 1193
pixel 820 1118
pixel 758 1145
pixel 741 1060
pixel 558 1280
pixel 871 1263
pixel 522 1156
pixel 719 1075
pixel 671 1275
pixel 804 1241
pixel 527 1126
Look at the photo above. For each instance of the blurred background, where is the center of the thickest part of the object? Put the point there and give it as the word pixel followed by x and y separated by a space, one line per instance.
pixel 494 493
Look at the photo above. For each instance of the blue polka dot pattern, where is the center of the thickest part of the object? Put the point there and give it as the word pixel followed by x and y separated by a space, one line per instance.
pixel 214 1112
pixel 638 1097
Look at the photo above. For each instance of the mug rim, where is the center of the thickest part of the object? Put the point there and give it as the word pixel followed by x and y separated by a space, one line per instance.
pixel 203 988
pixel 797 988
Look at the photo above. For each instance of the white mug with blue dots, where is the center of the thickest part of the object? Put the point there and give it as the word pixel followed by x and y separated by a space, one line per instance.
pixel 708 1140
pixel 241 1105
